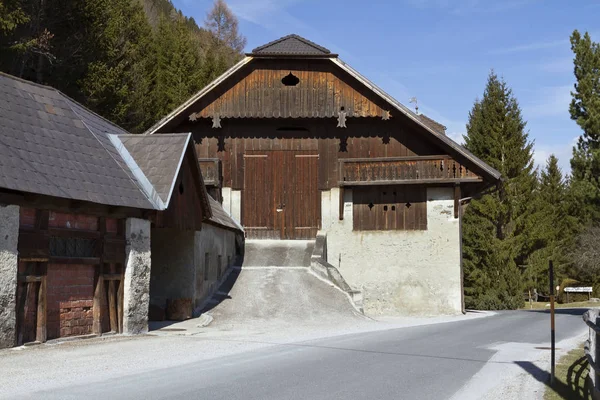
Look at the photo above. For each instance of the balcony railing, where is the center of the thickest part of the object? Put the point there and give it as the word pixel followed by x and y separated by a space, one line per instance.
pixel 403 170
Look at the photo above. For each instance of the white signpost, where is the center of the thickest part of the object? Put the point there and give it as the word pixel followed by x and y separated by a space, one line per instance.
pixel 583 289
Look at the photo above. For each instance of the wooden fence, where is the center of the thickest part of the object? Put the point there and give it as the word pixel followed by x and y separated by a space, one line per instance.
pixel 592 349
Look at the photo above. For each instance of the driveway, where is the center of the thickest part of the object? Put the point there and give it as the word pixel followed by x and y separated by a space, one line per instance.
pixel 469 358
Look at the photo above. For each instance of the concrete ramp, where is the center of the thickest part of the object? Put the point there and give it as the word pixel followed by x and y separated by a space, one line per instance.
pixel 274 286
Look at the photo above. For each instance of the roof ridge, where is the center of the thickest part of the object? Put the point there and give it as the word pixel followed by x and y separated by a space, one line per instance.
pixel 23 80
pixel 293 36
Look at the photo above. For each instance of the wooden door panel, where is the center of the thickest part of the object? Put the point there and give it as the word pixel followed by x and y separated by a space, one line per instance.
pixel 285 180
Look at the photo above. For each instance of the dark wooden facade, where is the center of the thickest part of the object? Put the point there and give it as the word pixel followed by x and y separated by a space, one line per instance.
pixel 270 136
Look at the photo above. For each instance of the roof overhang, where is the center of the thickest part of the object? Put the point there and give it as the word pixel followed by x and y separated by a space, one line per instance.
pixel 442 139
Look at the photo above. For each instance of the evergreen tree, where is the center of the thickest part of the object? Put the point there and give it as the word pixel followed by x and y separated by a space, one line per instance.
pixel 497 228
pixel 178 72
pixel 585 110
pixel 553 229
pixel 116 84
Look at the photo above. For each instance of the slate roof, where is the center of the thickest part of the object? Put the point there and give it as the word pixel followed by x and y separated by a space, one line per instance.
pixel 51 145
pixel 291 45
pixel 220 216
pixel 159 158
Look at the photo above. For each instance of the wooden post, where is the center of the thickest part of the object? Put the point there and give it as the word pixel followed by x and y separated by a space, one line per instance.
pixel 41 334
pixel 120 292
pixel 112 306
pixel 97 306
pixel 456 200
pixel 341 215
pixel 552 332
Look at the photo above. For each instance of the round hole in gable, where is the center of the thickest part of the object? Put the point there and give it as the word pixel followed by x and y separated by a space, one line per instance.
pixel 290 80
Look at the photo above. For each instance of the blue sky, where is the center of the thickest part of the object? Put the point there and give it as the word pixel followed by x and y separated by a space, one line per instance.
pixel 441 51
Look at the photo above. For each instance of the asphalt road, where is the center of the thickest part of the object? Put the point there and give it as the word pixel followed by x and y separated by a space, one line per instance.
pixel 423 362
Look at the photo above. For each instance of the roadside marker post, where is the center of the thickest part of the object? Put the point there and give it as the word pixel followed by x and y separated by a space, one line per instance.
pixel 552 333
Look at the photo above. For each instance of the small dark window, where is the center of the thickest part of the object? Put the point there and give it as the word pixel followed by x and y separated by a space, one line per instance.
pixel 206 265
pixel 393 208
pixel 384 208
pixel 181 188
pixel 73 247
pixel 290 80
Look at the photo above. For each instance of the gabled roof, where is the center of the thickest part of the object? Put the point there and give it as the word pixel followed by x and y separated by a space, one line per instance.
pixel 433 124
pixel 439 137
pixel 159 158
pixel 291 45
pixel 51 145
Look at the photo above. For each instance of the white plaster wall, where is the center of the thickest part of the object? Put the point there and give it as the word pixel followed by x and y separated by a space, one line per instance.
pixel 215 241
pixel 399 272
pixel 9 237
pixel 226 195
pixel 173 269
pixel 236 205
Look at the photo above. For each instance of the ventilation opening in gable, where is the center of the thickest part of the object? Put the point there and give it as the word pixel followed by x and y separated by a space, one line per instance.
pixel 290 80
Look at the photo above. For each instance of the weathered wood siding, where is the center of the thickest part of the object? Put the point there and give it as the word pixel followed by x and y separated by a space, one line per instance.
pixel 322 91
pixel 384 208
pixel 185 209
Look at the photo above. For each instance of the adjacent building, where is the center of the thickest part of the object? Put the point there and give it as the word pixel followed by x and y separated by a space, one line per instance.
pixel 96 225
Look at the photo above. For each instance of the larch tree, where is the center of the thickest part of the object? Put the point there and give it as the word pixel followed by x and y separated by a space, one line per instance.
pixel 223 24
pixel 497 227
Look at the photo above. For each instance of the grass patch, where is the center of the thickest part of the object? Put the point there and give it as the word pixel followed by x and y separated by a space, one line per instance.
pixel 541 305
pixel 571 381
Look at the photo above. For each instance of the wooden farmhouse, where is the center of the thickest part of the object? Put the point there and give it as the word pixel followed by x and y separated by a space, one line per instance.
pixel 87 214
pixel 293 141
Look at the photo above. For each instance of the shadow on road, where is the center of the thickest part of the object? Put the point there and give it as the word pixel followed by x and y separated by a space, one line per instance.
pixel 562 311
pixel 577 385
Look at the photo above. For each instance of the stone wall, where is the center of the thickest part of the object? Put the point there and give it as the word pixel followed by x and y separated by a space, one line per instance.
pixel 215 252
pixel 399 272
pixel 9 237
pixel 136 294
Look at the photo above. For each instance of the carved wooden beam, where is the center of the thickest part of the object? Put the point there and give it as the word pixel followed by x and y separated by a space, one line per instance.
pixel 341 119
pixel 216 121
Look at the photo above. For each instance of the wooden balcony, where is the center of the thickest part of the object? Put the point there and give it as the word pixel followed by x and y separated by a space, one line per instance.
pixel 403 170
pixel 211 171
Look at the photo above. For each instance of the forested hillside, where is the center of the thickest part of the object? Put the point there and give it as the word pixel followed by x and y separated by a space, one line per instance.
pixel 132 61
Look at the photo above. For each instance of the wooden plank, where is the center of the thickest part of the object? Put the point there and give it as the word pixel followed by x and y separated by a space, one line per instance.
pixel 120 293
pixel 80 260
pixel 30 278
pixel 456 200
pixel 112 306
pixel 112 277
pixel 97 306
pixel 41 316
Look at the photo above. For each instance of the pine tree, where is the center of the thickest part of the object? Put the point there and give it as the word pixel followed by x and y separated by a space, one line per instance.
pixel 178 72
pixel 117 84
pixel 585 110
pixel 496 228
pixel 553 229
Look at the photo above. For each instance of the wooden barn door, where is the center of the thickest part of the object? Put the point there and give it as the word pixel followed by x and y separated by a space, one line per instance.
pixel 281 199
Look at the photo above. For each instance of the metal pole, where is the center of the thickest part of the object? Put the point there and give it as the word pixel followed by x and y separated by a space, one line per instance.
pixel 552 333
